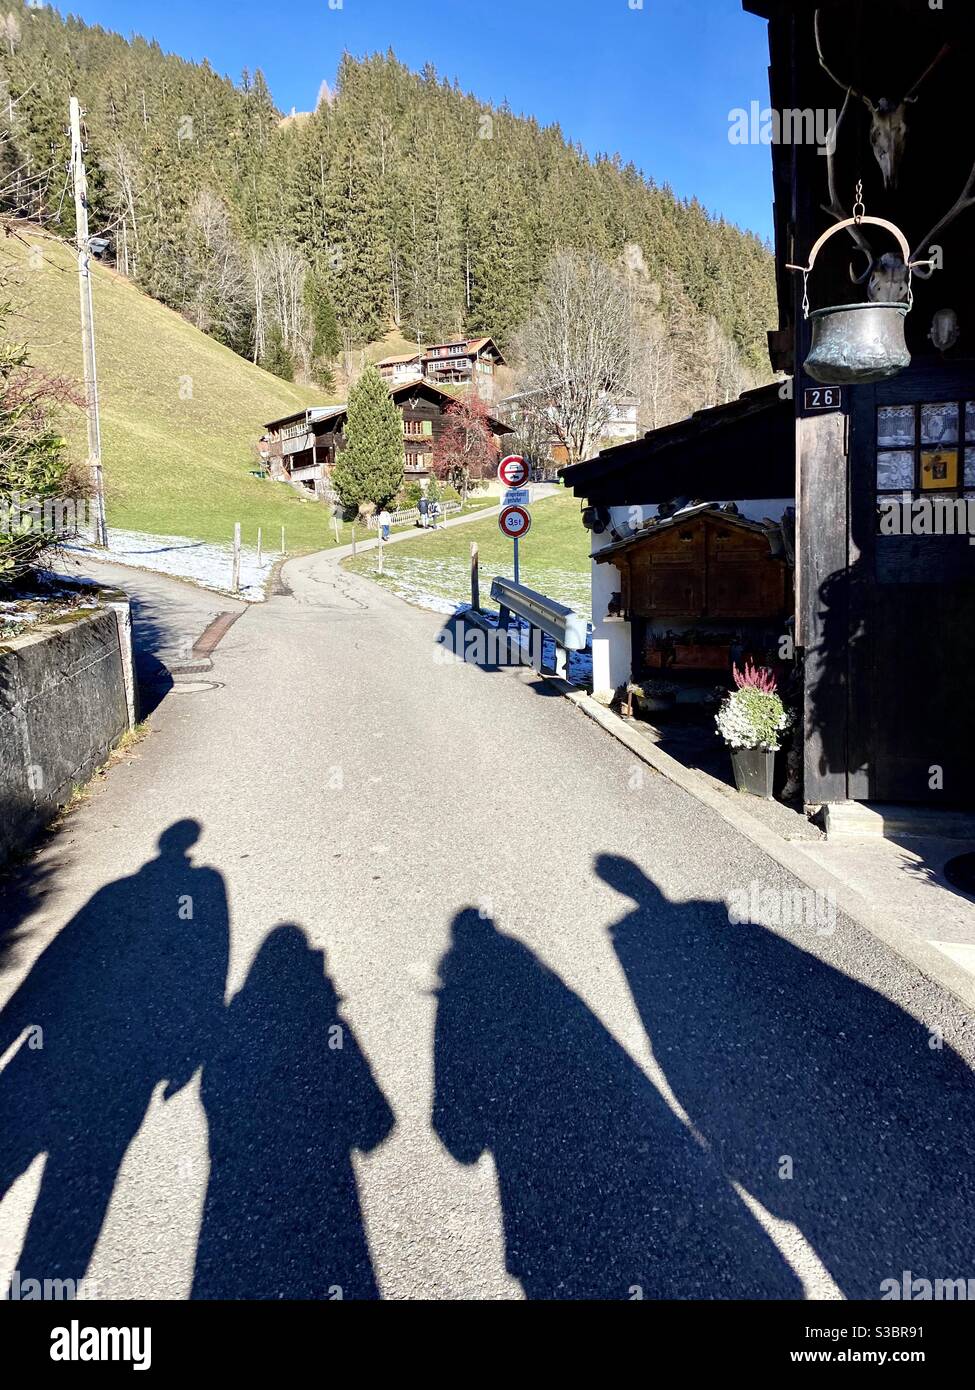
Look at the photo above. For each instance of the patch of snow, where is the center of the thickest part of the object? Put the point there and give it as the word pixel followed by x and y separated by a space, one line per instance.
pixel 206 563
pixel 436 583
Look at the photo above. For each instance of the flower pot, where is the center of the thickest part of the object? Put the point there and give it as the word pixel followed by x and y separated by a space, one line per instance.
pixel 754 771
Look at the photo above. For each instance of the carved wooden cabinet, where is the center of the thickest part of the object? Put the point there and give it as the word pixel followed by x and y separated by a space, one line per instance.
pixel 711 565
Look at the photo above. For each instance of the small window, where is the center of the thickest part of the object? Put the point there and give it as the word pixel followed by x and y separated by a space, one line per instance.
pixel 926 448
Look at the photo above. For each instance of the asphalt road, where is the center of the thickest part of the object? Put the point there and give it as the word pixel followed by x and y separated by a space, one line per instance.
pixel 439 997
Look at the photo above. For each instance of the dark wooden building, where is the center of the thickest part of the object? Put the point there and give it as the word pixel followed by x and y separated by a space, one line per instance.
pixel 886 622
pixel 301 449
pixel 872 100
pixel 702 589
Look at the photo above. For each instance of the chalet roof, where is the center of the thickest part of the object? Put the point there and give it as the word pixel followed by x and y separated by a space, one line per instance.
pixel 316 415
pixel 744 449
pixel 403 357
pixel 472 345
pixel 313 414
pixel 770 531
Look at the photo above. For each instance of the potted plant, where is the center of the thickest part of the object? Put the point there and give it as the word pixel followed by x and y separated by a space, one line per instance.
pixel 751 720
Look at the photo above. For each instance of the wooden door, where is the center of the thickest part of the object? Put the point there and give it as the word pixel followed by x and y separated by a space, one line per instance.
pixel 911 615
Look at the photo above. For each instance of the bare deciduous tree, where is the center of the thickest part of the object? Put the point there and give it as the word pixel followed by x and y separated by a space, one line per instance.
pixel 577 348
pixel 283 272
pixel 123 176
pixel 655 377
pixel 217 294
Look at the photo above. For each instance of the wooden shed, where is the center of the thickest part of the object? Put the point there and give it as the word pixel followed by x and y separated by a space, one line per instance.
pixel 704 563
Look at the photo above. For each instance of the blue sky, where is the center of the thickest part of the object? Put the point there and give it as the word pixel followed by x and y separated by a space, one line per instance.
pixel 655 83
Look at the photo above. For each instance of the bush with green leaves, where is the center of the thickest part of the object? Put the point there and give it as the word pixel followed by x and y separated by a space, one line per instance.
pixel 34 464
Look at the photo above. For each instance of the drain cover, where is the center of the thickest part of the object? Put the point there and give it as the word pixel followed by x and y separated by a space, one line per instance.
pixel 182 687
pixel 960 873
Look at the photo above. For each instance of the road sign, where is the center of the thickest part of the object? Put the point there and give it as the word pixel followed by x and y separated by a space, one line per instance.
pixel 513 471
pixel 518 497
pixel 515 522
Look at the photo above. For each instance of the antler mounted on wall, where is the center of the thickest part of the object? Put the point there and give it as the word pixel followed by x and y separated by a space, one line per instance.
pixel 886 277
pixel 966 200
pixel 888 118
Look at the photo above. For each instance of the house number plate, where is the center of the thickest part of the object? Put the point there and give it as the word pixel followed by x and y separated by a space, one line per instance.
pixel 824 398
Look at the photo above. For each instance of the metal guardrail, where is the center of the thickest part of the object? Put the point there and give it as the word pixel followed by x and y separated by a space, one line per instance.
pixel 567 629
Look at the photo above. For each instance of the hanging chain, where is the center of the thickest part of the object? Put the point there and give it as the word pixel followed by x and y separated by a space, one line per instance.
pixel 859 209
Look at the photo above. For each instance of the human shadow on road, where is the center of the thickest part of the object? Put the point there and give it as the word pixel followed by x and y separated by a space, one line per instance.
pixel 288 1095
pixel 126 996
pixel 835 1108
pixel 605 1192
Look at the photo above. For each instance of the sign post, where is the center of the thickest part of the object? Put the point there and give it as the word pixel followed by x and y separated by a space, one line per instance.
pixel 515 519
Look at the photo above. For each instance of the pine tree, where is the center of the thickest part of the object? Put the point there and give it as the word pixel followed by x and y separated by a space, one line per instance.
pixel 420 207
pixel 370 467
pixel 277 359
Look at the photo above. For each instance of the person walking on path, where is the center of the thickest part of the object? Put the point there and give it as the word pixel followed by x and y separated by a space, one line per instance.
pixel 385 522
pixel 424 508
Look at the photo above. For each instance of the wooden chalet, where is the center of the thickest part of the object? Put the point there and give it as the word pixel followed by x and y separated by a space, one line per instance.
pixel 885 614
pixel 301 449
pixel 462 362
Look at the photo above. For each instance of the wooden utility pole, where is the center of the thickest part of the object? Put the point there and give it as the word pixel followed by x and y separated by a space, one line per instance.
pixel 87 323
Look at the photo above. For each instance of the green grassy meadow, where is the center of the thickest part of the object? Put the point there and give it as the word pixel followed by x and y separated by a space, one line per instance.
pixel 434 569
pixel 181 415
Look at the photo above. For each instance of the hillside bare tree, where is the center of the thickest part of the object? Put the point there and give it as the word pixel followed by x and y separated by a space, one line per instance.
pixel 283 271
pixel 655 377
pixel 217 292
pixel 577 347
pixel 123 176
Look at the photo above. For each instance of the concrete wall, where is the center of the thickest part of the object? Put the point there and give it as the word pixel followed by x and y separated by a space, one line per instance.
pixel 63 704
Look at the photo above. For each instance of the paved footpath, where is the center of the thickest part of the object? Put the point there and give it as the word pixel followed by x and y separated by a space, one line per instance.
pixel 372 973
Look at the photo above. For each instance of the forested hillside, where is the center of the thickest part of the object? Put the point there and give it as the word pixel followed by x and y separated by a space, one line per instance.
pixel 401 202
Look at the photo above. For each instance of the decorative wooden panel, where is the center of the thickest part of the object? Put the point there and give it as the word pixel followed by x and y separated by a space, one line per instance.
pixel 704 569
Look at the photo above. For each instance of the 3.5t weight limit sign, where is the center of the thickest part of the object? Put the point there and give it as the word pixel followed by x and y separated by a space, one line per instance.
pixel 513 471
pixel 515 522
